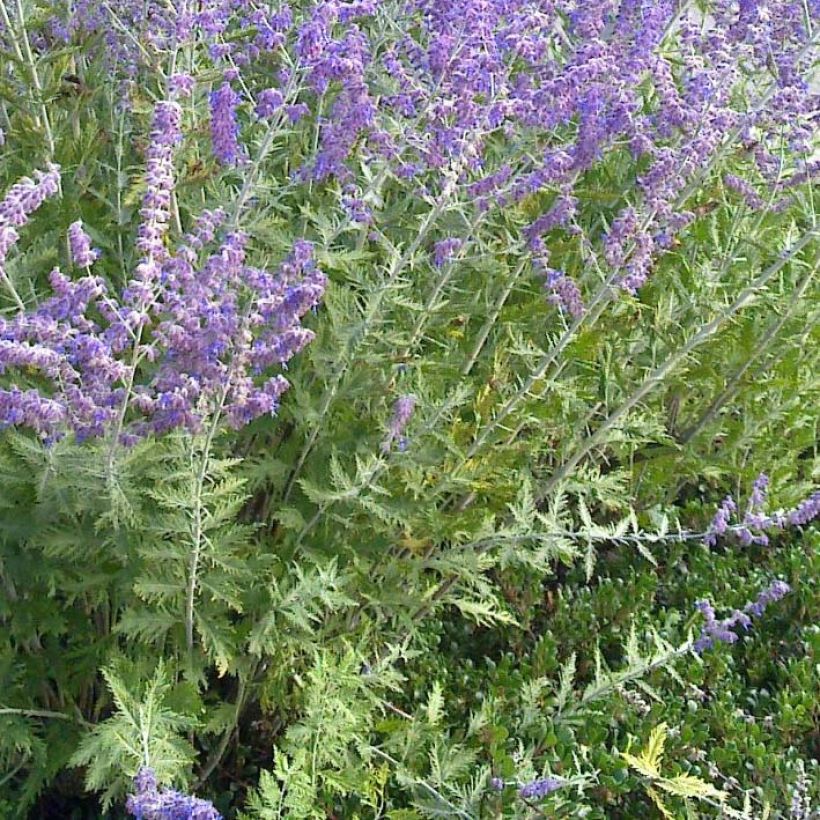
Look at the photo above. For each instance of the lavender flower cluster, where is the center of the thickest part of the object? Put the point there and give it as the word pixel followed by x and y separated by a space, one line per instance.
pixel 151 803
pixel 224 126
pixel 402 413
pixel 755 523
pixel 801 808
pixel 559 84
pixel 540 788
pixel 192 335
pixel 82 254
pixel 725 631
pixel 20 202
pixel 536 789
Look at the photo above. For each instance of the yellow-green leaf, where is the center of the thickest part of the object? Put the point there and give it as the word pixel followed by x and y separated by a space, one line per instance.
pixel 640 765
pixel 656 799
pixel 687 785
pixel 653 753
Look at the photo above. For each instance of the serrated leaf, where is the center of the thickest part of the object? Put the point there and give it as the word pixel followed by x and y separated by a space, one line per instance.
pixel 656 799
pixel 590 558
pixel 567 680
pixel 639 764
pixel 687 785
pixel 435 704
pixel 644 550
pixel 653 753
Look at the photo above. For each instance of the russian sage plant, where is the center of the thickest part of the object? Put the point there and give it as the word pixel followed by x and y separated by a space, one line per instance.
pixel 348 352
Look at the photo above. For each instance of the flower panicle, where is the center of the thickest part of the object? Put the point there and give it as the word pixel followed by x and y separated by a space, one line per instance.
pixel 149 802
pixel 756 524
pixel 726 630
pixel 82 254
pixel 195 332
pixel 402 413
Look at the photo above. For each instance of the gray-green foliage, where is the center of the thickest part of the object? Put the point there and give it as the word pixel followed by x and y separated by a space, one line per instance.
pixel 144 730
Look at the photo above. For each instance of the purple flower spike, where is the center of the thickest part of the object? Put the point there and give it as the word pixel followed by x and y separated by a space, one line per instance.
pixel 444 250
pixel 759 488
pixel 146 780
pixel 151 804
pixel 806 511
pixel 756 523
pixel 773 593
pixel 402 411
pixel 268 103
pixel 181 85
pixel 22 199
pixel 725 631
pixel 82 254
pixel 224 127
pixel 720 523
pixel 28 195
pixel 538 789
pixel 564 293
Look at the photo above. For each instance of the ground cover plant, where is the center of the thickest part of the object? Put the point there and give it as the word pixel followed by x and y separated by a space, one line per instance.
pixel 408 409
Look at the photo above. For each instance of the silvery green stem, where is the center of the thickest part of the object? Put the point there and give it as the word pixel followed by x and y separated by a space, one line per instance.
pixel 493 317
pixel 253 171
pixel 12 290
pixel 374 306
pixel 123 409
pixel 197 530
pixel 659 373
pixel 26 57
pixel 731 387
pixel 37 713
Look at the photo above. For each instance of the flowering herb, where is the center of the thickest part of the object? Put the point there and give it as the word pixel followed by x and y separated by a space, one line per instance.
pixel 538 789
pixel 564 292
pixel 82 254
pixel 444 250
pixel 725 631
pixel 191 335
pixel 756 523
pixel 268 102
pixel 568 225
pixel 720 523
pixel 224 125
pixel 181 85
